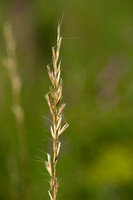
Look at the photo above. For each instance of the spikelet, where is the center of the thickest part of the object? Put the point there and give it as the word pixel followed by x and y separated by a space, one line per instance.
pixel 48 165
pixel 63 129
pixel 61 110
pixel 52 133
pixel 58 149
pixel 59 122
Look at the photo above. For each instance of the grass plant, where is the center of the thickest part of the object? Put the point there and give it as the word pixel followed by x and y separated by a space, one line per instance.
pixel 10 62
pixel 54 97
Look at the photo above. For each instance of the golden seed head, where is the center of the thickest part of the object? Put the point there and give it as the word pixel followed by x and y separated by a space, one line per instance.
pixel 53 99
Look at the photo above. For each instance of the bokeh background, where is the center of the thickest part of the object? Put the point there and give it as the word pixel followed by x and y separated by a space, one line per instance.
pixel 96 159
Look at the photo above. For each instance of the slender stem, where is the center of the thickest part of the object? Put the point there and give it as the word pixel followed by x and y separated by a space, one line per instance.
pixel 55 189
pixel 55 143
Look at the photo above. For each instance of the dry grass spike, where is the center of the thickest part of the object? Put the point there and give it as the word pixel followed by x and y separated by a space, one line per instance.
pixel 53 98
pixel 10 62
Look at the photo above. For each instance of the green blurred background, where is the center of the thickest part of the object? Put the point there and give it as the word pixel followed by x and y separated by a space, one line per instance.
pixel 96 159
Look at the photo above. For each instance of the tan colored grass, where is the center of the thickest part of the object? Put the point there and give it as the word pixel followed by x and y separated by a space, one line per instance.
pixel 54 97
pixel 10 62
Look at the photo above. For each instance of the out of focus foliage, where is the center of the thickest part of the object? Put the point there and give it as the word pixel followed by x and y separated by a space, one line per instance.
pixel 96 159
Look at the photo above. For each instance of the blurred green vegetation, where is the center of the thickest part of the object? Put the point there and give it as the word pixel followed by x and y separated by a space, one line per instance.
pixel 96 159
